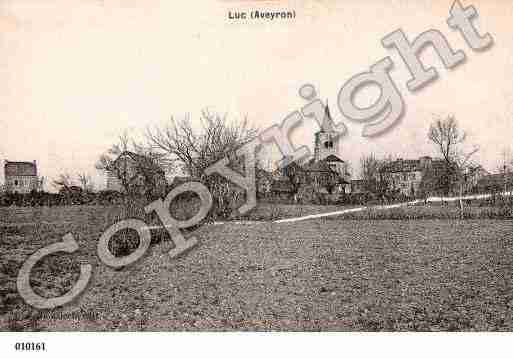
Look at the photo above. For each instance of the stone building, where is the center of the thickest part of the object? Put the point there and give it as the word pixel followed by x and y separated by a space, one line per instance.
pixel 359 186
pixel 113 183
pixel 20 177
pixel 473 176
pixel 405 175
pixel 327 175
pixel 494 183
pixel 136 173
pixel 326 139
pixel 326 172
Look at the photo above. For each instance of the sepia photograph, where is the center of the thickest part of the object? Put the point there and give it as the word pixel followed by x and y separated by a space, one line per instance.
pixel 255 166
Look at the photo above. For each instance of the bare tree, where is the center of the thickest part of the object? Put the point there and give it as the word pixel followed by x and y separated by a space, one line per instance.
pixel 85 182
pixel 370 172
pixel 64 181
pixel 194 150
pixel 106 160
pixel 505 167
pixel 296 177
pixel 41 184
pixel 505 164
pixel 450 140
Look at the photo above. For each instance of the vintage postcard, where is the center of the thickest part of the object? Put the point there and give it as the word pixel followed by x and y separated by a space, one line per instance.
pixel 255 166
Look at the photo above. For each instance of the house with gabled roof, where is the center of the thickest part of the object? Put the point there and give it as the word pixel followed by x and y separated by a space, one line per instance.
pixel 406 175
pixel 139 174
pixel 20 177
pixel 495 182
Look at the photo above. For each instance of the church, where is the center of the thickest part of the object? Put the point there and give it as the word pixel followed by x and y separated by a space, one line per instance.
pixel 325 173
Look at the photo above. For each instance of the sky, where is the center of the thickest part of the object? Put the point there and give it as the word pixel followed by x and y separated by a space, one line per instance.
pixel 76 74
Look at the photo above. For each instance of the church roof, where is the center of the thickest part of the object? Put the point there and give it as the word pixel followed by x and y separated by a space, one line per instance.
pixel 332 158
pixel 320 166
pixel 327 122
pixel 407 165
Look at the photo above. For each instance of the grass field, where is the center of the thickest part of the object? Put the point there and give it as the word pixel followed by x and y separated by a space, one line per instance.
pixel 325 274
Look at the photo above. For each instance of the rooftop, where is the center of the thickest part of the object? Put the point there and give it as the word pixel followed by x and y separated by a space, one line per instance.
pixel 20 168
pixel 408 165
pixel 332 158
pixel 321 166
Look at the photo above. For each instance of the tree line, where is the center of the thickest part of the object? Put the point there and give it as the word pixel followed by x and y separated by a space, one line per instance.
pixel 180 147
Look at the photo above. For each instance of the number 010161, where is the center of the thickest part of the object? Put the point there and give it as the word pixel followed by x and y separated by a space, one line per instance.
pixel 30 346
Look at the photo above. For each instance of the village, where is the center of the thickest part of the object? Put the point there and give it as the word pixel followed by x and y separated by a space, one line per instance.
pixel 314 221
pixel 323 179
pixel 326 168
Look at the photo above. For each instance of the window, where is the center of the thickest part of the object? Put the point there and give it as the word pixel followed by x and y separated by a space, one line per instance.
pixel 328 144
pixel 15 182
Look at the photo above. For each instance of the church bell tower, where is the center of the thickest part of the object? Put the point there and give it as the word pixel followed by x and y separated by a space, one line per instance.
pixel 326 139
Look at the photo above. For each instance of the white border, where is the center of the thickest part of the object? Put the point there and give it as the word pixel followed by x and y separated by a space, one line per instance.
pixel 261 345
